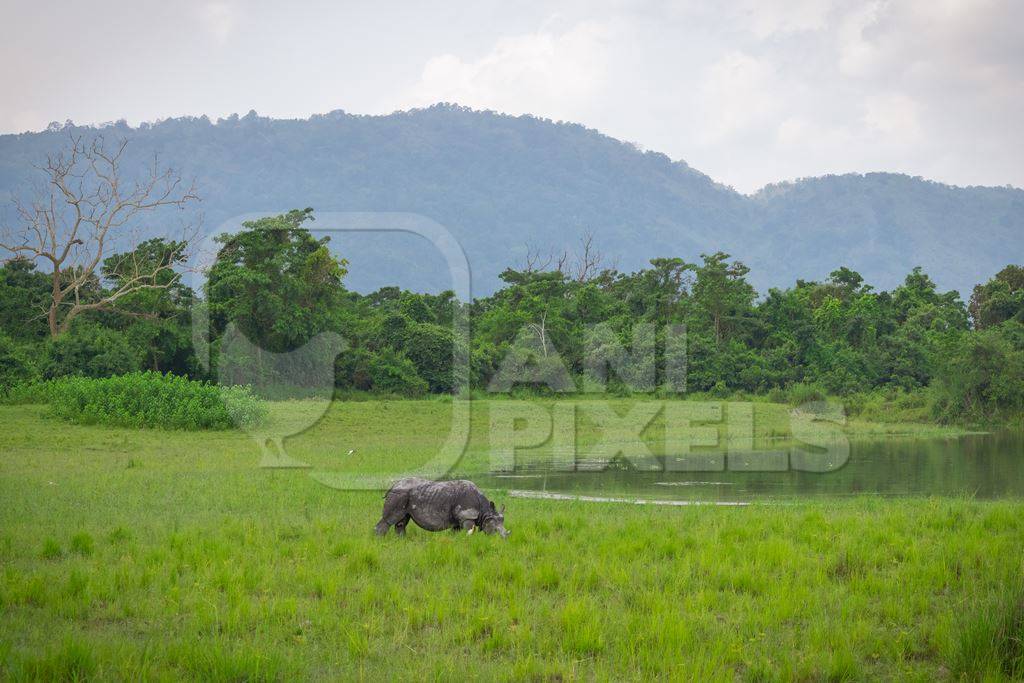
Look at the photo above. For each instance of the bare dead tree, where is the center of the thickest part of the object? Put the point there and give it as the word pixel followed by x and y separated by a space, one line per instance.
pixel 84 208
pixel 562 265
pixel 582 265
pixel 535 263
pixel 541 330
pixel 588 259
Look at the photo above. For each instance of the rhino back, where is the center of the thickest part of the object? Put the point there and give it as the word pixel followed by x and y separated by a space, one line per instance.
pixel 409 483
pixel 433 505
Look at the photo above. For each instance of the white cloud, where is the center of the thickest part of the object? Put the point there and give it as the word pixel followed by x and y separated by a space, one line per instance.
pixel 738 92
pixel 858 54
pixel 773 17
pixel 544 73
pixel 796 135
pixel 944 39
pixel 218 20
pixel 893 115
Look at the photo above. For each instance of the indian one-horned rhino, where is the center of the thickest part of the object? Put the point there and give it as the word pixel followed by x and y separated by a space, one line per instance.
pixel 439 505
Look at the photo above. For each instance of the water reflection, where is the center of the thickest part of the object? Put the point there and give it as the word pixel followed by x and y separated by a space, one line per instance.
pixel 979 465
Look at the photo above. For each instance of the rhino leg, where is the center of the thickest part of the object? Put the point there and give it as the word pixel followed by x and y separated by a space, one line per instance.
pixel 395 512
pixel 397 519
pixel 467 518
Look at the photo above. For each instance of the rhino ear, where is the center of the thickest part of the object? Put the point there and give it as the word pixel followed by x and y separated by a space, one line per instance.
pixel 492 505
pixel 468 513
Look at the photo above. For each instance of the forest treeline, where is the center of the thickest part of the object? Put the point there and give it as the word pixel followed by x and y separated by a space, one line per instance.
pixel 281 286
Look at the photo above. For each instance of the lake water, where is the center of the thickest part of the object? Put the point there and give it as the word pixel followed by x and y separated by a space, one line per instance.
pixel 980 465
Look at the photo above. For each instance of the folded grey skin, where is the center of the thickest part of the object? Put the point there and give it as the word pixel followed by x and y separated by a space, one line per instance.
pixel 439 505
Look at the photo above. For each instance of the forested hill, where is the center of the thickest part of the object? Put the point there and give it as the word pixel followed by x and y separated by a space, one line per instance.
pixel 500 183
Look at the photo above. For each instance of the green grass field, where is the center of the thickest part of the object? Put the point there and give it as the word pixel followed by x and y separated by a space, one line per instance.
pixel 150 554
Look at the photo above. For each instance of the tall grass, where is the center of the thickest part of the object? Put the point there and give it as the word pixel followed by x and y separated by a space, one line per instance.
pixel 151 399
pixel 989 641
pixel 140 555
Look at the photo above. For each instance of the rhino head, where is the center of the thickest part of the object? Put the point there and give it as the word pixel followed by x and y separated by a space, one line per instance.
pixel 493 521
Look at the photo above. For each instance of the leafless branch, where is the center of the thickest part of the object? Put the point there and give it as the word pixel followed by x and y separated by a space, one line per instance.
pixel 588 259
pixel 541 330
pixel 535 263
pixel 84 208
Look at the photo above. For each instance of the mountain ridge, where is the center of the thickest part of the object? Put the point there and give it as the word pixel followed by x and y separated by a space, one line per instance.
pixel 501 182
pixel 123 125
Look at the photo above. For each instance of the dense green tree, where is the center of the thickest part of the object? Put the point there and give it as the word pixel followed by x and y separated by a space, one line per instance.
pixel 415 308
pixel 1000 299
pixel 982 375
pixel 722 297
pixel 391 372
pixel 154 319
pixel 431 348
pixel 90 350
pixel 16 366
pixel 276 282
pixel 24 298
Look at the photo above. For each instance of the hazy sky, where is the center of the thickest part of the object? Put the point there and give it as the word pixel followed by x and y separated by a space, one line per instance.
pixel 750 92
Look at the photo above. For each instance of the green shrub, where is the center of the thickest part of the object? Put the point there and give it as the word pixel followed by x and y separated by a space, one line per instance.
pixel 27 393
pixel 719 390
pixel 891 404
pixel 800 394
pixel 392 372
pixel 151 399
